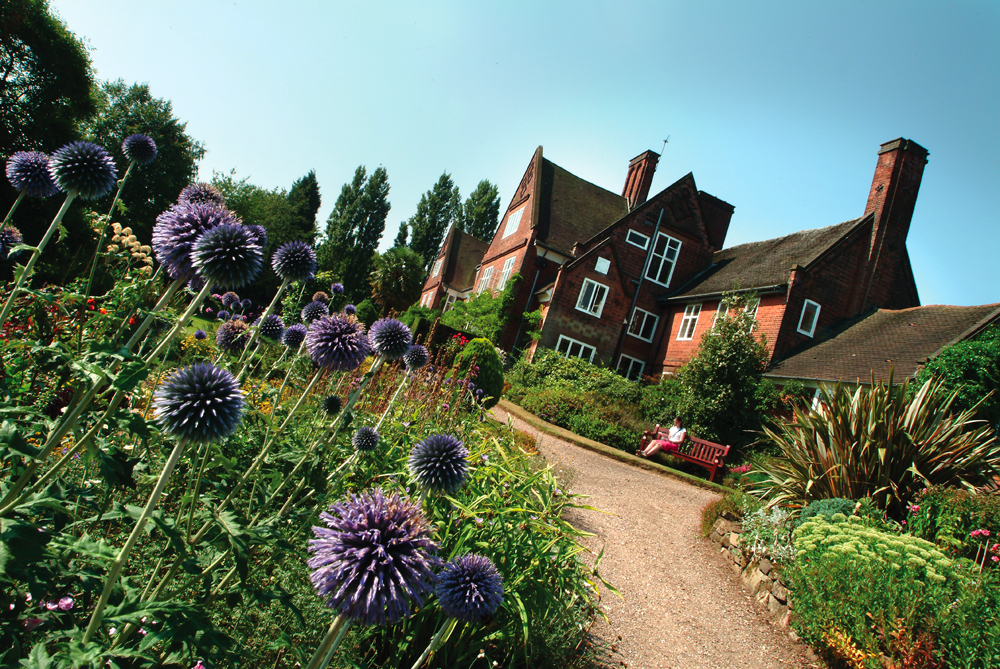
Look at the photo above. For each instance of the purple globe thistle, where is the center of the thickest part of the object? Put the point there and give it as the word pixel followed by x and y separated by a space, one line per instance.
pixel 232 336
pixel 200 334
pixel 294 336
pixel 332 405
pixel 390 338
pixel 337 343
pixel 416 357
pixel 178 228
pixel 320 296
pixel 201 193
pixel 469 588
pixel 271 328
pixel 139 148
pixel 295 261
pixel 350 310
pixel 246 304
pixel 28 171
pixel 83 167
pixel 439 463
pixel 259 233
pixel 227 255
pixel 365 439
pixel 223 315
pixel 337 288
pixel 374 560
pixel 195 284
pixel 199 403
pixel 314 310
pixel 230 299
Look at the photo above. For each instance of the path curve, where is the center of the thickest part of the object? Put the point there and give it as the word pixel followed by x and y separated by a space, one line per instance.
pixel 681 606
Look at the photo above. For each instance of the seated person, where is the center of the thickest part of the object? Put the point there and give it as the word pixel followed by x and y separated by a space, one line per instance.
pixel 675 437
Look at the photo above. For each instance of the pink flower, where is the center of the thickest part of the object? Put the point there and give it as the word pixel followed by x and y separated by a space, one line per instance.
pixel 51 606
pixel 995 558
pixel 32 623
pixel 66 603
pixel 198 665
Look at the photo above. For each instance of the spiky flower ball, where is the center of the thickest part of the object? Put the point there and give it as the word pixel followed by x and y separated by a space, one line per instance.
pixel 365 439
pixel 390 338
pixel 439 463
pixel 259 233
pixel 374 560
pixel 294 336
pixel 201 193
pixel 350 310
pixel 227 255
pixel 178 228
pixel 195 284
pixel 232 336
pixel 337 288
pixel 416 357
pixel 83 167
pixel 320 296
pixel 470 588
pixel 200 334
pixel 246 304
pixel 332 405
pixel 271 328
pixel 28 171
pixel 230 300
pixel 223 315
pixel 140 148
pixel 199 403
pixel 337 343
pixel 314 310
pixel 295 261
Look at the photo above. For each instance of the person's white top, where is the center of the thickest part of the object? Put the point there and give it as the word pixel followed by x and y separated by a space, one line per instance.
pixel 676 434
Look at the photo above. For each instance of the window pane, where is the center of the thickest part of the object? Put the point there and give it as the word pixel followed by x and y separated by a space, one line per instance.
pixel 648 327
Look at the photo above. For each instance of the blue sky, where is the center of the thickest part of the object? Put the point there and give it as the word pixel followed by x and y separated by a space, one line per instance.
pixel 777 108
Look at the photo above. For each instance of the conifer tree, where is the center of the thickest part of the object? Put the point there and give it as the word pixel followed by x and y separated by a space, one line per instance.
pixel 438 209
pixel 305 200
pixel 481 212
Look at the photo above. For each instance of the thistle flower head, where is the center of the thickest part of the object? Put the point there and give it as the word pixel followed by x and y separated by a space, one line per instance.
pixel 227 255
pixel 199 403
pixel 390 338
pixel 200 334
pixel 337 288
pixel 332 405
pixel 195 284
pixel 83 167
pixel 246 304
pixel 374 560
pixel 295 261
pixel 230 299
pixel 178 228
pixel 140 148
pixel 9 238
pixel 28 171
pixel 337 343
pixel 416 357
pixel 259 233
pixel 232 336
pixel 223 315
pixel 294 336
pixel 365 439
pixel 470 588
pixel 320 296
pixel 201 193
pixel 271 328
pixel 314 310
pixel 439 463
pixel 350 310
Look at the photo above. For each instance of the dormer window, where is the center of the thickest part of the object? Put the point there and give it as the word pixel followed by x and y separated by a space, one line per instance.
pixel 664 257
pixel 592 297
pixel 808 319
pixel 513 221
pixel 437 267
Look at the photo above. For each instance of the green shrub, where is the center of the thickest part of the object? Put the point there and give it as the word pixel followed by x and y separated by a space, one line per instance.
pixel 827 508
pixel 482 353
pixel 417 312
pixel 947 516
pixel 367 312
pixel 583 414
pixel 660 402
pixel 548 369
pixel 731 504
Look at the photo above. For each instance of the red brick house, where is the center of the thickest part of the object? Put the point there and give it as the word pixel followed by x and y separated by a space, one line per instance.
pixel 453 271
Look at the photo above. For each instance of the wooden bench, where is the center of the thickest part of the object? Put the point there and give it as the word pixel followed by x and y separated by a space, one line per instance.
pixel 705 453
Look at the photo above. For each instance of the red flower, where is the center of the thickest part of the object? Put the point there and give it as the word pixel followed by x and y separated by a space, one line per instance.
pixel 103 310
pixel 131 321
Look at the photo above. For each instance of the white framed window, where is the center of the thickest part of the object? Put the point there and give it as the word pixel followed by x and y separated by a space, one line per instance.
pixel 572 348
pixel 602 265
pixel 513 221
pixel 664 257
pixel 508 266
pixel 485 278
pixel 751 309
pixel 631 368
pixel 643 324
pixel 809 317
pixel 720 313
pixel 449 302
pixel 592 297
pixel 689 322
pixel 637 239
pixel 424 298
pixel 437 266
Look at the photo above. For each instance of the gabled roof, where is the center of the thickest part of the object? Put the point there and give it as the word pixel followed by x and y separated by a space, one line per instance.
pixel 904 339
pixel 462 257
pixel 763 264
pixel 573 210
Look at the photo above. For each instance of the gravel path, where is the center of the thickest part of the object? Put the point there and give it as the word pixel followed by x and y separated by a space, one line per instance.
pixel 681 606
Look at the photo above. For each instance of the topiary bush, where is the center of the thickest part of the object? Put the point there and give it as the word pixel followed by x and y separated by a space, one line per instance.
pixel 481 352
pixel 367 312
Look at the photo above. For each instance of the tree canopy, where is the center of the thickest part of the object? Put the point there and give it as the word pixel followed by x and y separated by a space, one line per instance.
pixel 481 212
pixel 437 210
pixel 972 368
pixel 397 278
pixel 305 200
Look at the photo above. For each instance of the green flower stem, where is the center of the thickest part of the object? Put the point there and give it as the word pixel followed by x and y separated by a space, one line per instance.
pixel 162 302
pixel 446 629
pixel 13 207
pixel 140 524
pixel 151 281
pixel 35 255
pixel 197 486
pixel 321 658
pixel 267 312
pixel 100 241
pixel 393 400
pixel 181 322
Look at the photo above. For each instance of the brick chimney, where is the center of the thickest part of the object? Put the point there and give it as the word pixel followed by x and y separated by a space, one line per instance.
pixel 640 177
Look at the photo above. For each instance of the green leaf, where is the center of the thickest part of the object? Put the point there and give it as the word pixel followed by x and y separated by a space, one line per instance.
pixel 39 657
pixel 13 441
pixel 132 374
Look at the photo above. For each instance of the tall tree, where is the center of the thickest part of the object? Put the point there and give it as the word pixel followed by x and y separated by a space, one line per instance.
pixel 401 236
pixel 354 229
pixel 123 110
pixel 397 278
pixel 438 209
pixel 481 212
pixel 305 199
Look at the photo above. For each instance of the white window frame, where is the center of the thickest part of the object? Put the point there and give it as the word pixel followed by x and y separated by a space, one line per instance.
pixel 815 320
pixel 508 267
pixel 637 332
pixel 628 238
pixel 589 304
pixel 631 362
pixel 755 302
pixel 437 267
pixel 569 348
pixel 513 223
pixel 484 279
pixel 656 261
pixel 720 311
pixel 449 302
pixel 689 323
